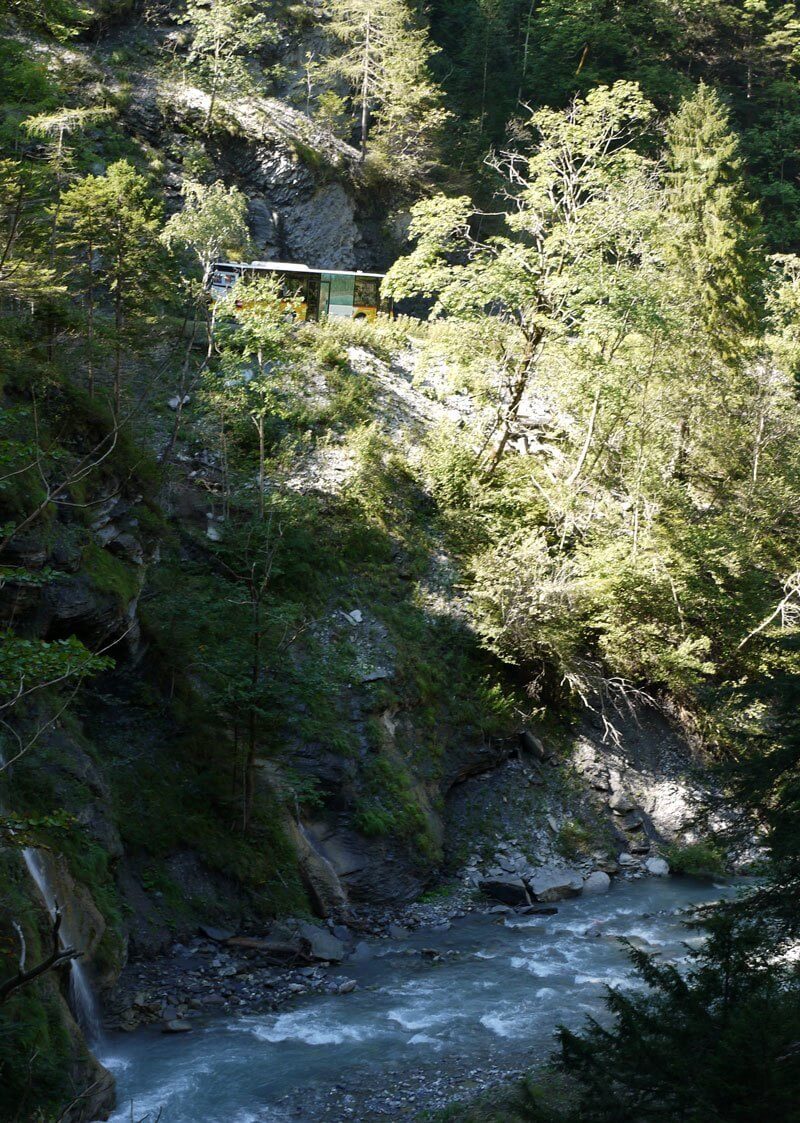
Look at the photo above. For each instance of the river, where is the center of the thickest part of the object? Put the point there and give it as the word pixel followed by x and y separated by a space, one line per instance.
pixel 415 1032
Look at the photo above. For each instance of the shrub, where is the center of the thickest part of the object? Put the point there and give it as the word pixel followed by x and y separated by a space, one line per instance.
pixel 696 859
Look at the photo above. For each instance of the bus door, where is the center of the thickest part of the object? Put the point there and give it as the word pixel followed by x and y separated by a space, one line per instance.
pixel 314 297
pixel 324 295
pixel 340 300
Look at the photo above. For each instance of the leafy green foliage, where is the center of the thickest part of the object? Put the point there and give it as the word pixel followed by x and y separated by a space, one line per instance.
pixel 697 859
pixel 27 665
pixel 498 55
pixel 591 558
pixel 212 223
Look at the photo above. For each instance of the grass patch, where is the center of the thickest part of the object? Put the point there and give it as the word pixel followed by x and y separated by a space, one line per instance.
pixel 109 574
pixel 572 840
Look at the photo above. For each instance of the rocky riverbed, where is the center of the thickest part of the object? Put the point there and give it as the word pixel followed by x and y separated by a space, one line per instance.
pixel 412 1017
pixel 222 971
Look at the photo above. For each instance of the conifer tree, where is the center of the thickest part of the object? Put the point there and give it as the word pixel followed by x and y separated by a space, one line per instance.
pixel 713 232
pixel 224 31
pixel 386 62
pixel 114 218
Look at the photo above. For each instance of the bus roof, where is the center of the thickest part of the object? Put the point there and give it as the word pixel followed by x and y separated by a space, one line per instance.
pixel 293 267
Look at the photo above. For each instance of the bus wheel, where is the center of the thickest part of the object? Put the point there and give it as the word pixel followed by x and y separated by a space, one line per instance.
pixel 360 316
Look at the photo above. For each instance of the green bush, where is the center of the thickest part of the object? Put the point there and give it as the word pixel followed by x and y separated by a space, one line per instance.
pixel 696 859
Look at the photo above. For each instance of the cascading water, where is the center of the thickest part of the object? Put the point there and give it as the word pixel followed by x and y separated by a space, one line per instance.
pixel 434 1016
pixel 82 1000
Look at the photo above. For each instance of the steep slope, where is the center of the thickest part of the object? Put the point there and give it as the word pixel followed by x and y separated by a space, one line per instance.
pixel 385 740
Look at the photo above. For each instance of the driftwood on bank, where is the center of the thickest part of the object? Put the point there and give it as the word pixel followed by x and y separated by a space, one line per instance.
pixel 282 953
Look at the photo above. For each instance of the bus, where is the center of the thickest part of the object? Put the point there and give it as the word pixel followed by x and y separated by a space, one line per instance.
pixel 311 294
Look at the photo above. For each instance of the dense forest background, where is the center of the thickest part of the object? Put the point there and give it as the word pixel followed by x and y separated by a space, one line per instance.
pixel 592 214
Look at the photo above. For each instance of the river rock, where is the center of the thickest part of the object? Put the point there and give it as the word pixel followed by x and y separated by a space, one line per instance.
pixel 657 867
pixel 218 935
pixel 176 1025
pixel 322 944
pixel 555 885
pixel 596 882
pixel 627 860
pixel 508 890
pixel 532 745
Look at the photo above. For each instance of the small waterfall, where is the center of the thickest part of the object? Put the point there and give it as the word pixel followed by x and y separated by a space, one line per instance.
pixel 82 1000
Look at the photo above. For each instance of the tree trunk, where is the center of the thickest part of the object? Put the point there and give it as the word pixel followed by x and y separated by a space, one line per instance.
pixel 587 444
pixel 526 49
pixel 261 465
pixel 365 89
pixel 214 85
pixel 517 394
pixel 117 352
pixel 255 675
pixel 90 321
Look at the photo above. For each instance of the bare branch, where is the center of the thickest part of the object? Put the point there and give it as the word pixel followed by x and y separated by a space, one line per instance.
pixel 788 609
pixel 57 958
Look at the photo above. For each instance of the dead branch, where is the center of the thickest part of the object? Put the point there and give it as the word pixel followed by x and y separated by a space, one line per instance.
pixel 57 958
pixel 788 609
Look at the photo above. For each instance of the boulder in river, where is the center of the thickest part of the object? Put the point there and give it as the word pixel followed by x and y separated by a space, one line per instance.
pixel 555 885
pixel 596 882
pixel 508 890
pixel 218 935
pixel 176 1025
pixel 322 944
pixel 657 867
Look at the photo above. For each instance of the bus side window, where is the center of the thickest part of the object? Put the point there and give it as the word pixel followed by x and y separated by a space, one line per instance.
pixel 366 293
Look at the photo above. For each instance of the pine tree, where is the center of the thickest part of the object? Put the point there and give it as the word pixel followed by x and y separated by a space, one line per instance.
pixel 113 218
pixel 386 61
pixel 224 32
pixel 712 226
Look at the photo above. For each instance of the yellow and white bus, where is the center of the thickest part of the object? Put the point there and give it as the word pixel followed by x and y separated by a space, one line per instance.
pixel 311 294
